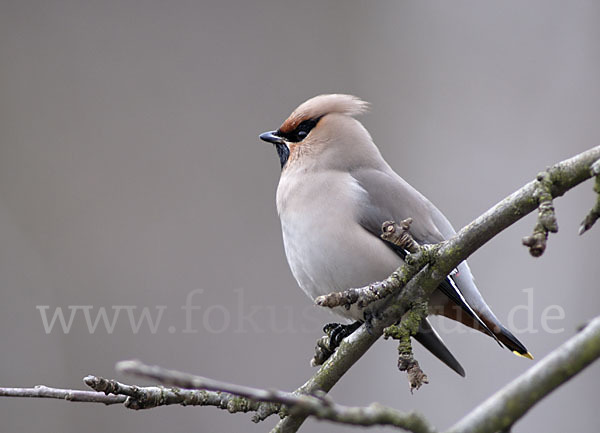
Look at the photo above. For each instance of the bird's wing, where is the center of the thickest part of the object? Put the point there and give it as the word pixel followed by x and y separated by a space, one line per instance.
pixel 389 197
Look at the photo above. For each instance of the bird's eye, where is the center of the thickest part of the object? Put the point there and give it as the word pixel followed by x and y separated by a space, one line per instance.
pixel 301 131
pixel 304 128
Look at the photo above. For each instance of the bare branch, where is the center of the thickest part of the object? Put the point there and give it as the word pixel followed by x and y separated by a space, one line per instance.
pixel 190 381
pixel 594 214
pixel 42 391
pixel 319 405
pixel 148 397
pixel 135 397
pixel 503 409
pixel 398 234
pixel 497 413
pixel 565 175
pixel 374 414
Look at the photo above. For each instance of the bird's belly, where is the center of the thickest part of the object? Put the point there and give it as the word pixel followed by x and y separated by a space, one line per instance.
pixel 335 257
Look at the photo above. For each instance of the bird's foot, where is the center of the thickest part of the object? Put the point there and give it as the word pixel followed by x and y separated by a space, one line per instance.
pixel 326 345
pixel 337 332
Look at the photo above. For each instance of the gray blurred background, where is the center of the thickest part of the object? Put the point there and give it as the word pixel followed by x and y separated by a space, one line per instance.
pixel 131 175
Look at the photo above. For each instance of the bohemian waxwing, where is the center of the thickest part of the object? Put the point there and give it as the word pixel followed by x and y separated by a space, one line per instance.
pixel 335 192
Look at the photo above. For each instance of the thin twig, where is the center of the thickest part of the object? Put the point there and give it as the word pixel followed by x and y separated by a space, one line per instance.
pixel 319 405
pixel 135 397
pixel 43 391
pixel 403 332
pixel 190 381
pixel 546 221
pixel 147 397
pixel 594 213
pixel 399 234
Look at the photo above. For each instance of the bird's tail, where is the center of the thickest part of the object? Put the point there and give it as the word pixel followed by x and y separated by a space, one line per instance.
pixel 501 334
pixel 511 342
pixel 483 319
pixel 431 340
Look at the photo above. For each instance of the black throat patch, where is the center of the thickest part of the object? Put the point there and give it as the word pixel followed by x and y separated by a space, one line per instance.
pixel 284 153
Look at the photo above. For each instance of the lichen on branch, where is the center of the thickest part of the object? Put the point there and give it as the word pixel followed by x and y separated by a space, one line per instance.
pixel 546 221
pixel 403 331
pixel 594 213
pixel 147 397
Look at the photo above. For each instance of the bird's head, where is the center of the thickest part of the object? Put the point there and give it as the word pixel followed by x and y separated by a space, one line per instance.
pixel 321 128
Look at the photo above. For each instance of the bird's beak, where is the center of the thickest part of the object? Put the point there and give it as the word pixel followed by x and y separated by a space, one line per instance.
pixel 271 137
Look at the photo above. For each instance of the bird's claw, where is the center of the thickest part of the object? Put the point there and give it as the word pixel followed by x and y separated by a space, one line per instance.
pixel 326 345
pixel 337 332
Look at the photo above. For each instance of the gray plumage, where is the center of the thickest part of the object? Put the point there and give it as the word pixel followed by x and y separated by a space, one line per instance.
pixel 334 193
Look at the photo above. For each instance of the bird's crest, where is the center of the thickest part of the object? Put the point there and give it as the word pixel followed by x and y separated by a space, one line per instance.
pixel 324 104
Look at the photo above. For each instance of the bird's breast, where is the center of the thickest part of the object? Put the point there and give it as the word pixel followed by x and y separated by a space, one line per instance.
pixel 326 247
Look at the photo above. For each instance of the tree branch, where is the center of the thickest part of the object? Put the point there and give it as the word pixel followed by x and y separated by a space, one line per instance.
pixel 319 405
pixel 594 214
pixel 546 217
pixel 497 413
pixel 42 391
pixel 504 408
pixel 407 328
pixel 135 397
pixel 564 176
pixel 148 397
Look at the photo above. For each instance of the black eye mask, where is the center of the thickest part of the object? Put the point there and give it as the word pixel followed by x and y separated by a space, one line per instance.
pixel 301 131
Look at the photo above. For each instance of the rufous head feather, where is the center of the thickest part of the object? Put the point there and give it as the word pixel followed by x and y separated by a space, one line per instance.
pixel 321 105
pixel 293 138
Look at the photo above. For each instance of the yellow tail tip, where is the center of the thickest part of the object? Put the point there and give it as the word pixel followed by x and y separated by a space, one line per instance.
pixel 524 355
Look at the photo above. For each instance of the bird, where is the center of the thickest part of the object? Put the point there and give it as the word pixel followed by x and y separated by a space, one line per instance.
pixel 335 191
